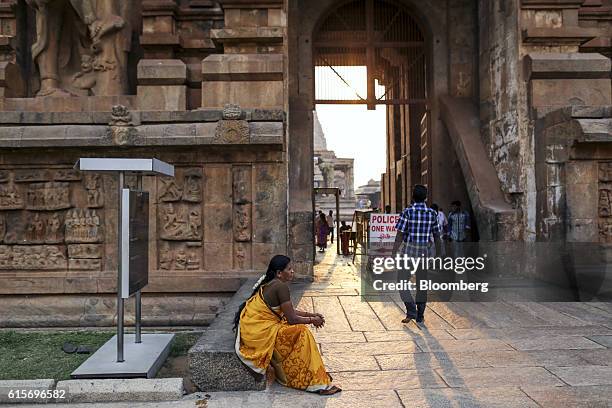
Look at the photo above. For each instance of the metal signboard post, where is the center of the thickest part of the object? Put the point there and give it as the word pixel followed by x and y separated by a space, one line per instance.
pixel 132 268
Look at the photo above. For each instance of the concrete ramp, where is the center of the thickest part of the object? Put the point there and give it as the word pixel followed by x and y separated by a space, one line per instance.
pixel 496 219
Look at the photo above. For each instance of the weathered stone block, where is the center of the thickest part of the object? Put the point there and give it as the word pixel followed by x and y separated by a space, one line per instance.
pixel 243 67
pixel 570 92
pixel 247 94
pixel 162 97
pixel 113 390
pixel 162 72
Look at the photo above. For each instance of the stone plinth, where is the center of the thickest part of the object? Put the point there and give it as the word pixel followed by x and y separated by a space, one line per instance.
pixel 161 85
pixel 249 80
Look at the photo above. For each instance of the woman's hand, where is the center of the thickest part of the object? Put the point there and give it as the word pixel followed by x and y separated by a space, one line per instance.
pixel 317 321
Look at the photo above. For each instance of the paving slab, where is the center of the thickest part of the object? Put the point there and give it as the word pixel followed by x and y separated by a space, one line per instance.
pixel 553 343
pixel 550 316
pixel 349 362
pixel 536 358
pixel 389 380
pixel 570 397
pixel 494 377
pixel 584 375
pixel 360 315
pixel 389 313
pixel 597 356
pixel 410 332
pixel 527 333
pixel 454 315
pixel 417 361
pixel 112 390
pixel 370 348
pixel 305 304
pixel 466 398
pixel 329 306
pixel 583 311
pixel 433 344
pixel 605 341
pixel 338 337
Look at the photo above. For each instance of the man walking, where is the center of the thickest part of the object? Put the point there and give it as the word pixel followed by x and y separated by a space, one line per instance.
pixel 415 226
pixel 330 224
pixel 458 228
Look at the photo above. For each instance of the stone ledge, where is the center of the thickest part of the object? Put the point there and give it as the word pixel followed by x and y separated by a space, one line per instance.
pixel 256 34
pixel 213 363
pixel 162 72
pixel 115 390
pixel 25 385
pixel 227 67
pixel 567 65
pixel 145 116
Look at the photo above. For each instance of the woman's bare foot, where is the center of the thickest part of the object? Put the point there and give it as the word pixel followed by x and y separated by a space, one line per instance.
pixel 330 391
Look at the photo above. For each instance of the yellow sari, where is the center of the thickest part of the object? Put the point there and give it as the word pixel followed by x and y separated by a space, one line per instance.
pixel 264 337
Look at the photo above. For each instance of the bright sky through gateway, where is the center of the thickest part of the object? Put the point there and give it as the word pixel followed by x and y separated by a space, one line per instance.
pixel 352 131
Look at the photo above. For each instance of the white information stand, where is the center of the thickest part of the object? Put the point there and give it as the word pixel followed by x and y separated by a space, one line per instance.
pixel 145 353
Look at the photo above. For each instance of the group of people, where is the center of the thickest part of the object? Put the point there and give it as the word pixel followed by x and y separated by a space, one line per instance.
pixel 270 331
pixel 324 230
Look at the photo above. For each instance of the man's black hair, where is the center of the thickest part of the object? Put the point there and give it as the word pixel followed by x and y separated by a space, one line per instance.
pixel 419 193
pixel 457 203
pixel 434 206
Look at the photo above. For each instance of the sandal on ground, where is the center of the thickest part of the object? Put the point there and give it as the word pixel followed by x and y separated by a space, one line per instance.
pixel 330 391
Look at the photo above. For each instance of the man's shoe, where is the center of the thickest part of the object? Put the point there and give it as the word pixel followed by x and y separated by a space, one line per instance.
pixel 420 319
pixel 407 320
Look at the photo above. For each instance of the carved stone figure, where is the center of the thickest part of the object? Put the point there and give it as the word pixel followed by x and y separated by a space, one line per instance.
pixel 165 257
pixel 328 174
pixel 10 197
pixel 85 251
pixel 180 225
pixel 193 260
pixel 240 256
pixel 2 227
pixel 54 230
pixel 180 261
pixel 192 187
pixel 83 225
pixel 93 185
pixel 48 196
pixel 81 46
pixel 242 223
pixel 169 190
pixel 605 171
pixel 604 203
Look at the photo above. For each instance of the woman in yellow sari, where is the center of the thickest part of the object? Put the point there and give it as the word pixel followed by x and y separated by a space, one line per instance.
pixel 271 331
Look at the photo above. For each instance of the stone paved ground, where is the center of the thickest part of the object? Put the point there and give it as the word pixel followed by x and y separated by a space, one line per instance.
pixel 468 355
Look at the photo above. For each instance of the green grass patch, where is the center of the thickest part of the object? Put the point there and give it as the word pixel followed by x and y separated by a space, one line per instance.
pixel 32 355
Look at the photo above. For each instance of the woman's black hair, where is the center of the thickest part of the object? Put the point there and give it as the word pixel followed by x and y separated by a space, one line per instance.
pixel 277 263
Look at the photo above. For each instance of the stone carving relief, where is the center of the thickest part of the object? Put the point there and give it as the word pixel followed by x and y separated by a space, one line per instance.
pixel 95 193
pixel 604 205
pixel 48 196
pixel 184 257
pixel 180 222
pixel 242 223
pixel 48 219
pixel 169 190
pixel 192 186
pixel 81 46
pixel 32 257
pixel 121 125
pixel 10 197
pixel 83 225
pixel 85 251
pixel 232 128
pixel 240 257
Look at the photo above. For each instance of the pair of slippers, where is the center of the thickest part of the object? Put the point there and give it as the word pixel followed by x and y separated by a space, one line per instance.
pixel 70 348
